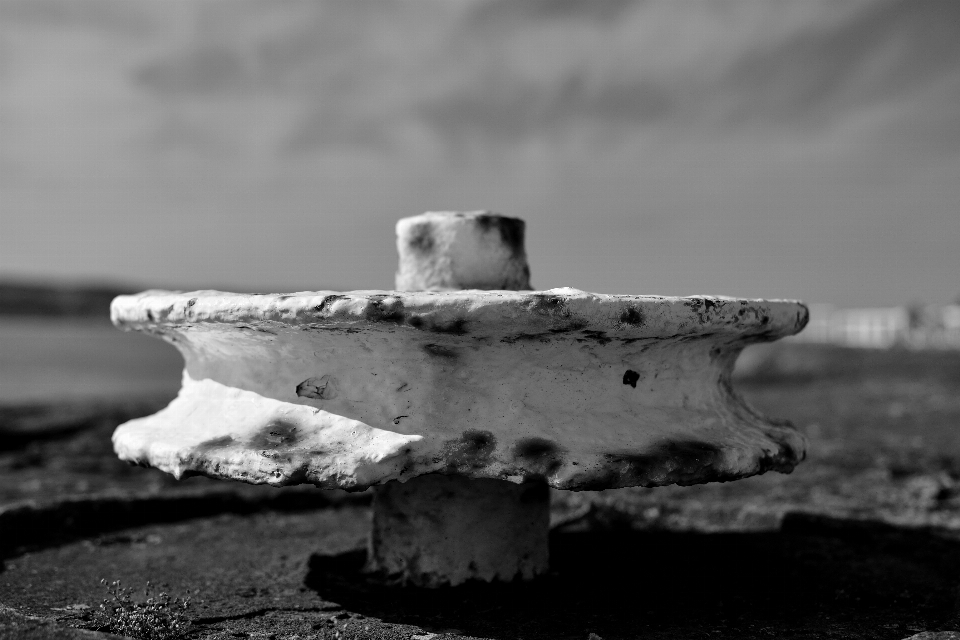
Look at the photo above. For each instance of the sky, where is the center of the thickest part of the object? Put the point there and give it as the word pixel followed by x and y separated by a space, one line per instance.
pixel 801 149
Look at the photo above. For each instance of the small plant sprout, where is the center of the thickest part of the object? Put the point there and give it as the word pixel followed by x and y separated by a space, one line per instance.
pixel 157 617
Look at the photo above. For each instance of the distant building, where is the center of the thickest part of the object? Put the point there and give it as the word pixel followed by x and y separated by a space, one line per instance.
pixel 929 327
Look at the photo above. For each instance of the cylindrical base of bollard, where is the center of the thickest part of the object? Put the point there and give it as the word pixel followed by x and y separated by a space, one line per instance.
pixel 438 530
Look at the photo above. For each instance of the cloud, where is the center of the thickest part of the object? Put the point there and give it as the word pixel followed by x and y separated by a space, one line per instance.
pixel 310 76
pixel 499 13
pixel 519 73
pixel 126 18
pixel 493 74
pixel 202 71
pixel 886 50
pixel 510 109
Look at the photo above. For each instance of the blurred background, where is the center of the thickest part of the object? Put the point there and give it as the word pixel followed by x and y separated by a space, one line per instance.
pixel 806 149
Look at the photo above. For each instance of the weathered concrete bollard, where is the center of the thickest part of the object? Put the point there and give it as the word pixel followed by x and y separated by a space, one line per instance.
pixel 446 529
pixel 475 401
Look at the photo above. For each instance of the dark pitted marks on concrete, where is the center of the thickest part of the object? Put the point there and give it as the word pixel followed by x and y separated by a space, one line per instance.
pixel 472 450
pixel 680 463
pixel 632 316
pixel 277 434
pixel 511 230
pixel 324 307
pixel 318 388
pixel 384 308
pixel 527 337
pixel 622 317
pixel 573 331
pixel 457 327
pixel 549 305
pixel 631 377
pixel 600 337
pixel 247 327
pixel 703 307
pixel 214 443
pixel 569 327
pixel 539 455
pixel 440 351
pixel 320 327
pixel 421 238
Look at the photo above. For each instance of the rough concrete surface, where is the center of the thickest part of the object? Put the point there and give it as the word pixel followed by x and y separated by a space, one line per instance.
pixel 861 541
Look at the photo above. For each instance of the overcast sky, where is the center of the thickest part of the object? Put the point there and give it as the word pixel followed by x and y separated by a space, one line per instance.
pixel 804 148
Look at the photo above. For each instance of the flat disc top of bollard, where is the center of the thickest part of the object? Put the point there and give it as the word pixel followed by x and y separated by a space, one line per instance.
pixel 472 312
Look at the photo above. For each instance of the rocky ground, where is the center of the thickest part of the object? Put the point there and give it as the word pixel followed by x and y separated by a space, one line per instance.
pixel 861 541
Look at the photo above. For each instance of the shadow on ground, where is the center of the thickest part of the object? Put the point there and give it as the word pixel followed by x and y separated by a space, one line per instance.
pixel 817 577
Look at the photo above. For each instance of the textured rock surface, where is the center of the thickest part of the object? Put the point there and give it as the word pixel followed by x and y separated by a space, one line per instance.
pixel 444 251
pixel 298 575
pixel 348 390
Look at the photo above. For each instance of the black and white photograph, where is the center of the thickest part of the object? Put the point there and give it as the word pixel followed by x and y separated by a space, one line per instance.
pixel 479 319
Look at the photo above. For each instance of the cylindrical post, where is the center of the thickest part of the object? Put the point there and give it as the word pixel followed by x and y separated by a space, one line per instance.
pixel 438 530
pixel 454 250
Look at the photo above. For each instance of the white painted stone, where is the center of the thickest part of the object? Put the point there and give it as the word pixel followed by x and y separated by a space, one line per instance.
pixel 474 400
pixel 580 390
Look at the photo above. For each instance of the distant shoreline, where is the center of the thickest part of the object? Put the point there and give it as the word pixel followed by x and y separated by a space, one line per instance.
pixel 65 301
pixel 51 300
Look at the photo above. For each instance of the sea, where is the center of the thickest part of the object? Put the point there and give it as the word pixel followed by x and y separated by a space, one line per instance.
pixel 49 359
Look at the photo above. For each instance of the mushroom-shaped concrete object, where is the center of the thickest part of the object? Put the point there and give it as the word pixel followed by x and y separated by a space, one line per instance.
pixel 461 407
